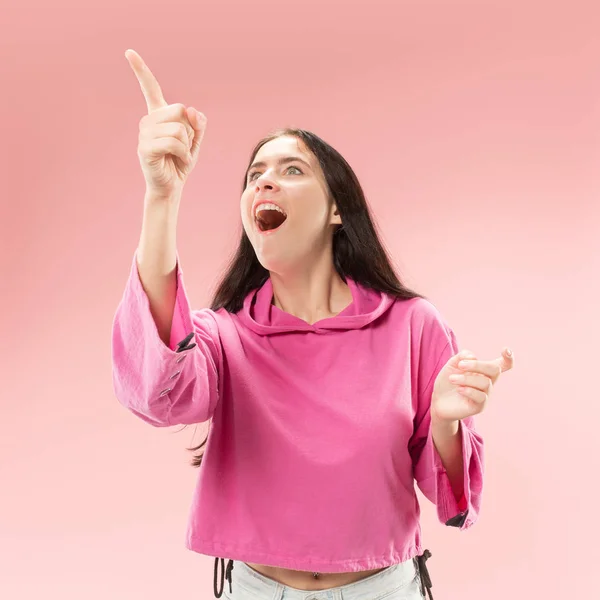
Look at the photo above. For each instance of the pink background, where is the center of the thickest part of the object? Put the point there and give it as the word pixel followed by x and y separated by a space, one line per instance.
pixel 474 128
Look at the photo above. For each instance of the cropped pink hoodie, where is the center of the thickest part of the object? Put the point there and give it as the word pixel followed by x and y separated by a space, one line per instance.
pixel 319 432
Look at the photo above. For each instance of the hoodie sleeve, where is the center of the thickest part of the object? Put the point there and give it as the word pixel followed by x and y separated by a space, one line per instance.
pixel 164 385
pixel 437 345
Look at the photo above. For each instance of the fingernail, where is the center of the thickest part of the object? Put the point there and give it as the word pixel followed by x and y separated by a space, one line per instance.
pixel 509 351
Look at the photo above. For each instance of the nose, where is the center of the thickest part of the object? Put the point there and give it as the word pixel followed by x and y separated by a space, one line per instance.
pixel 264 182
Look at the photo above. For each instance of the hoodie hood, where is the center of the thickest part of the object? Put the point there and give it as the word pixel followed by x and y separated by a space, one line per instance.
pixel 264 318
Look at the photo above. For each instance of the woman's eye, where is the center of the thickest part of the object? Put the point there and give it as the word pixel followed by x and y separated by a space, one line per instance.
pixel 252 175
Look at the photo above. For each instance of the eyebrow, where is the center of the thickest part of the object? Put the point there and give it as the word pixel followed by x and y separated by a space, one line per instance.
pixel 282 161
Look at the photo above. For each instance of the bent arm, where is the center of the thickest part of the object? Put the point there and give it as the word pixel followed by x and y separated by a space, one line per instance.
pixel 165 383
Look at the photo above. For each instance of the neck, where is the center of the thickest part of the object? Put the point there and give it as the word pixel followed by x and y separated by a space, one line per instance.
pixel 311 294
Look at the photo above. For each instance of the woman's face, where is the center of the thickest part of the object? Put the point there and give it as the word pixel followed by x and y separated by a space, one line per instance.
pixel 286 174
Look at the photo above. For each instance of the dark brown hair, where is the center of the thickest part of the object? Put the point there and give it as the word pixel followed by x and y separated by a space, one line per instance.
pixel 357 250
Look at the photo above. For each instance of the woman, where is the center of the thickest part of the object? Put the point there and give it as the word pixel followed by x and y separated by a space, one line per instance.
pixel 331 388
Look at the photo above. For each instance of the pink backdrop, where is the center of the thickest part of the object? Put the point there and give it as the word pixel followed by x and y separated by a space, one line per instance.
pixel 474 128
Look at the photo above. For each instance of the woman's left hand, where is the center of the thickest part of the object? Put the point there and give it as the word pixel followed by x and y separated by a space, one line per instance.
pixel 462 389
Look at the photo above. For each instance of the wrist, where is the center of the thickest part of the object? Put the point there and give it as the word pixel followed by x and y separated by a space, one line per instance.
pixel 441 428
pixel 157 198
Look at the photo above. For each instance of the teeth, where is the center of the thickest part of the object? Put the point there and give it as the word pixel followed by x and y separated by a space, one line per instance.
pixel 267 206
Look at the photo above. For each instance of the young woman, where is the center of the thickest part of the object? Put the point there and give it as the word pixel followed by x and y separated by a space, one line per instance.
pixel 331 388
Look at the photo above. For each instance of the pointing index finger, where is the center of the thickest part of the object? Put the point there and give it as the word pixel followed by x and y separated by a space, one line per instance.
pixel 148 83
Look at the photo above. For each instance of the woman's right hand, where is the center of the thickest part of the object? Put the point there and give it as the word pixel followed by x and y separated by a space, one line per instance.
pixel 170 136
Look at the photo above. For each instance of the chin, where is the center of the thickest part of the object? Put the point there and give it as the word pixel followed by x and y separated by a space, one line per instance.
pixel 273 264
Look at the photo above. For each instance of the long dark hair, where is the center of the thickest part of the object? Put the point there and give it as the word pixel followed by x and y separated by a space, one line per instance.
pixel 357 250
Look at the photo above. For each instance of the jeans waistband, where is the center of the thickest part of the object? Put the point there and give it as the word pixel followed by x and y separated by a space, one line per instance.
pixel 263 587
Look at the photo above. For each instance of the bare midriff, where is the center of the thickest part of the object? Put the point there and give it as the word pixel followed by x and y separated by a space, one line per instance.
pixel 305 580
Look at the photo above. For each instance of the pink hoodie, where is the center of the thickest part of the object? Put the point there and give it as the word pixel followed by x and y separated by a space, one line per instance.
pixel 318 431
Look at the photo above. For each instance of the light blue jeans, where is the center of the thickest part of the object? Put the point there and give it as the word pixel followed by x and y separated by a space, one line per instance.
pixel 398 582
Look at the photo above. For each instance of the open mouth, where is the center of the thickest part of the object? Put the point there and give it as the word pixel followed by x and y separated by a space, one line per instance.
pixel 269 217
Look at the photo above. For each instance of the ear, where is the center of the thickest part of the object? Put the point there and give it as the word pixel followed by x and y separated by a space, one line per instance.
pixel 335 218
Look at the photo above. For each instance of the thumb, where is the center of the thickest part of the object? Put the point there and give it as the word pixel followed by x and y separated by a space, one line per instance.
pixel 507 360
pixel 198 122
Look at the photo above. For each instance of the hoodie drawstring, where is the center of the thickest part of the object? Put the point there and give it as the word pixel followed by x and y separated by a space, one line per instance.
pixel 225 574
pixel 426 584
